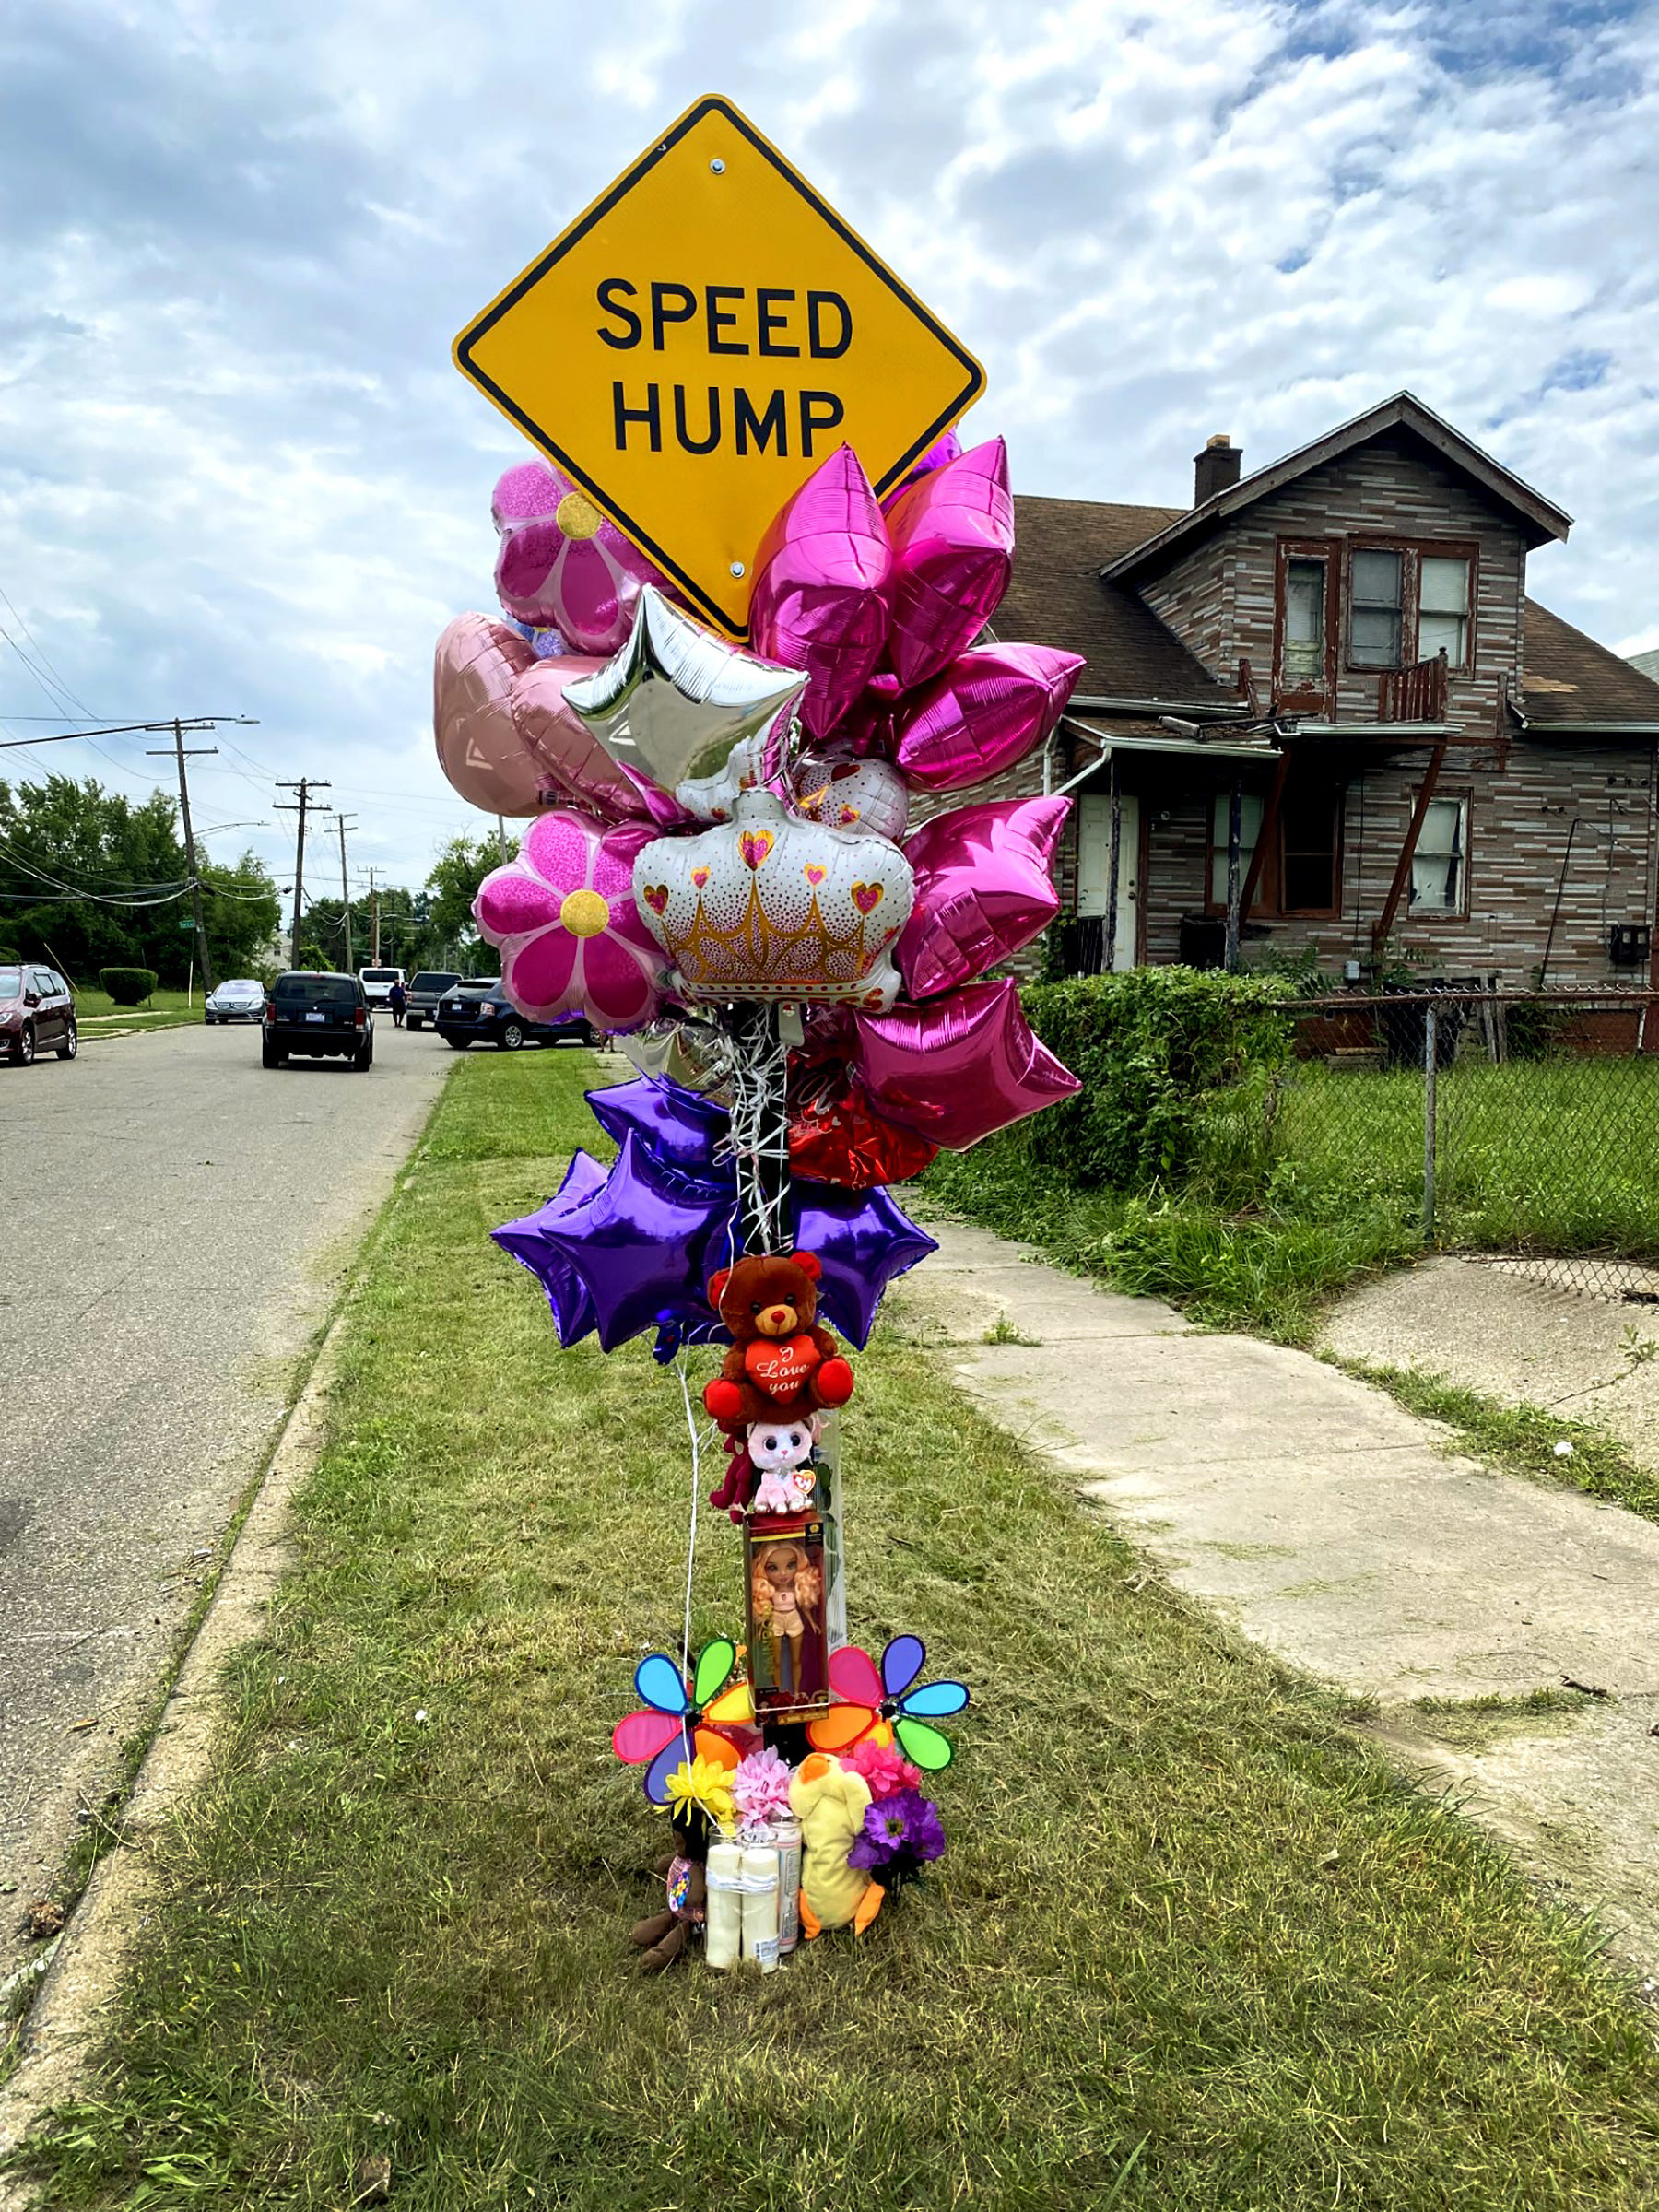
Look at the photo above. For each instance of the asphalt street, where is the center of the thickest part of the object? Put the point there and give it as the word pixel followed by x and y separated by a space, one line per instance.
pixel 177 1221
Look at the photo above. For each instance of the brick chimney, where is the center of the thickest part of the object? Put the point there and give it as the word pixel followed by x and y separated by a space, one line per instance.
pixel 1216 468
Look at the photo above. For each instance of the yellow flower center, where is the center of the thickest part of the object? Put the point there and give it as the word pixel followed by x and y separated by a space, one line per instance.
pixel 577 516
pixel 584 913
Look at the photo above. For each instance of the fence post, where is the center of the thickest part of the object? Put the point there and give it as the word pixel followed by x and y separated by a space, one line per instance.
pixel 1430 1117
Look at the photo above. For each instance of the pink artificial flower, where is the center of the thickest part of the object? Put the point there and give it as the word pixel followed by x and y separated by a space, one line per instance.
pixel 562 562
pixel 883 1766
pixel 761 1787
pixel 563 915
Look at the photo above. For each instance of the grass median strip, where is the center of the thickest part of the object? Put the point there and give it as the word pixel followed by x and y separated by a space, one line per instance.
pixel 1192 1946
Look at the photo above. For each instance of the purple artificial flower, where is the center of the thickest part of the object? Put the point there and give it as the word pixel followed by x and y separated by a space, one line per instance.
pixel 900 1834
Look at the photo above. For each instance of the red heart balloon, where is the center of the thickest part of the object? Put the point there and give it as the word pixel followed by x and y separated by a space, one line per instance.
pixel 834 1137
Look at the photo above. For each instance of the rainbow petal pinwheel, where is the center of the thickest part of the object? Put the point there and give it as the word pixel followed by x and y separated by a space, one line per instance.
pixel 885 1702
pixel 685 1718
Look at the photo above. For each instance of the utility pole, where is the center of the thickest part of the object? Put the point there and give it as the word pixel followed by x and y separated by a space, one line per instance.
pixel 180 754
pixel 341 825
pixel 306 804
pixel 374 959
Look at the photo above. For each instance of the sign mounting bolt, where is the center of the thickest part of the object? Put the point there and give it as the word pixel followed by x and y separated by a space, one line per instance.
pixel 718 166
pixel 739 569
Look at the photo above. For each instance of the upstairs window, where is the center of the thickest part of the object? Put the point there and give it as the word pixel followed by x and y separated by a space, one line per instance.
pixel 1304 658
pixel 1438 864
pixel 1443 608
pixel 1377 610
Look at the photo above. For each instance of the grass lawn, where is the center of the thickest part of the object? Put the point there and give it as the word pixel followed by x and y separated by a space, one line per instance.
pixel 96 1011
pixel 1193 1946
pixel 1301 1187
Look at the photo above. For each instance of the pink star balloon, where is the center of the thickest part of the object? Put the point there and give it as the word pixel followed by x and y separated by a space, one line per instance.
pixel 985 888
pixel 818 601
pixel 953 554
pixel 561 565
pixel 948 448
pixel 475 665
pixel 987 710
pixel 960 1068
pixel 563 915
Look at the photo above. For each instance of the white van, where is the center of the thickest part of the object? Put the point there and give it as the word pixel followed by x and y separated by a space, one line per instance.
pixel 377 984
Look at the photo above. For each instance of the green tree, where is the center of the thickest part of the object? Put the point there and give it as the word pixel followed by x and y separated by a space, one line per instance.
pixel 454 883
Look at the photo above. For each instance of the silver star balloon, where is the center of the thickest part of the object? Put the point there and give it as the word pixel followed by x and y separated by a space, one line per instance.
pixel 675 687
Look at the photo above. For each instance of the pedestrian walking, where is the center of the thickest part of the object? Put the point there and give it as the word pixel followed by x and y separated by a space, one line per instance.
pixel 397 998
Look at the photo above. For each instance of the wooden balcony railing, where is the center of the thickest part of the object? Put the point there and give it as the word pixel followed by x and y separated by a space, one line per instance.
pixel 1416 694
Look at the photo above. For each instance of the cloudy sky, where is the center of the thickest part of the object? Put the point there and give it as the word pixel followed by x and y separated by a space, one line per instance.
pixel 239 474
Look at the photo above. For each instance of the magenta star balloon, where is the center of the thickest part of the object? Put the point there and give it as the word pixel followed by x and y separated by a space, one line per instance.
pixel 984 888
pixel 818 601
pixel 953 554
pixel 960 1068
pixel 948 448
pixel 989 709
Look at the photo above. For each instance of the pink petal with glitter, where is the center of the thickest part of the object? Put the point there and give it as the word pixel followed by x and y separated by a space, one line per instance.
pixel 510 904
pixel 539 975
pixel 559 847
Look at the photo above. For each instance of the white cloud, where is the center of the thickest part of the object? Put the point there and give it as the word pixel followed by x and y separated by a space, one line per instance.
pixel 237 471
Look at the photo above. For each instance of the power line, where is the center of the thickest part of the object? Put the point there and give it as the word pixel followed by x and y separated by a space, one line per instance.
pixel 121 729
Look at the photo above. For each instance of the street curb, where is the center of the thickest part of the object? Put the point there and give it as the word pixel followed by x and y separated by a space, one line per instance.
pixel 83 1984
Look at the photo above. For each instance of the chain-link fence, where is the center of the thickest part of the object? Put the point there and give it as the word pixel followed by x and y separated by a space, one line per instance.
pixel 1523 1131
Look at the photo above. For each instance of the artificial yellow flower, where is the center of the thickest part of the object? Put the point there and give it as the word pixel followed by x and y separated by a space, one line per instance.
pixel 703 1785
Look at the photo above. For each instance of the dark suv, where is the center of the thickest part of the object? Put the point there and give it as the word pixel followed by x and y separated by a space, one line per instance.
pixel 312 1013
pixel 424 990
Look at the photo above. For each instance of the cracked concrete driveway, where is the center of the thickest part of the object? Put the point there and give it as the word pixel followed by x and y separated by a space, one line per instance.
pixel 178 1220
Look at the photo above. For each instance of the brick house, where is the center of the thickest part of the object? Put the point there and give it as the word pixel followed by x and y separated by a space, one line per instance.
pixel 1323 689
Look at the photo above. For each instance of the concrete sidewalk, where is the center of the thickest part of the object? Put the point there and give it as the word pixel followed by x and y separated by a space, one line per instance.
pixel 1330 1524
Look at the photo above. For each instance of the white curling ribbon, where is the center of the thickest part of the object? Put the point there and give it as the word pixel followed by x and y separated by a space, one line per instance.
pixel 767 906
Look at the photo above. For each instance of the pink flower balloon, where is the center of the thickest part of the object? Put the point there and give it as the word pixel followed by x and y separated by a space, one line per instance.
pixel 561 565
pixel 949 447
pixel 985 712
pixel 984 888
pixel 818 601
pixel 959 1068
pixel 572 761
pixel 476 663
pixel 563 915
pixel 953 554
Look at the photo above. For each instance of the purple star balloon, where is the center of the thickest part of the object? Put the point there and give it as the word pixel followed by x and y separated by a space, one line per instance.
pixel 528 1241
pixel 679 1128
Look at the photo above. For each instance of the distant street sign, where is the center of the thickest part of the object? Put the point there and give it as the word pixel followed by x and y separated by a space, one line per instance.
pixel 700 338
pixel 187 921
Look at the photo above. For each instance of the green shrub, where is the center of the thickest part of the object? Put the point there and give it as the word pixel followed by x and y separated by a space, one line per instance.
pixel 1154 1048
pixel 128 986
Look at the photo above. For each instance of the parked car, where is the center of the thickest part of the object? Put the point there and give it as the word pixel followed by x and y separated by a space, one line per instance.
pixel 241 1000
pixel 37 1013
pixel 481 1013
pixel 426 988
pixel 377 983
pixel 314 1013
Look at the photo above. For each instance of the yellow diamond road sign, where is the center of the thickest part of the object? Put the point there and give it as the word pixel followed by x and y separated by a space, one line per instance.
pixel 697 342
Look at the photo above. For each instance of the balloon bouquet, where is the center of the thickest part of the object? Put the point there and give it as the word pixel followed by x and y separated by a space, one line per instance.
pixel 722 877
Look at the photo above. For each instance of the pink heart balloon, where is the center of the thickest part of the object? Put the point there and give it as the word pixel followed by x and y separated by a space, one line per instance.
pixel 818 601
pixel 953 554
pixel 960 1068
pixel 985 888
pixel 571 758
pixel 474 670
pixel 985 712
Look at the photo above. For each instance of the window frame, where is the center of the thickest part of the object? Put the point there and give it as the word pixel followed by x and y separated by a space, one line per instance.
pixel 1329 551
pixel 1461 796
pixel 1413 551
pixel 1268 904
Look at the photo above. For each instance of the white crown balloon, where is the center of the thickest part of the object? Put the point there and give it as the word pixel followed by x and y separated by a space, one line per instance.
pixel 767 906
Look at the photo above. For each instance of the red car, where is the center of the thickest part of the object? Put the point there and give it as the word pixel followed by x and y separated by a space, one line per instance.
pixel 37 1013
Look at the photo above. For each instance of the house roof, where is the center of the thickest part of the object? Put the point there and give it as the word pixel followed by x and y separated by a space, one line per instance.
pixel 1647 662
pixel 1402 417
pixel 1568 679
pixel 1057 597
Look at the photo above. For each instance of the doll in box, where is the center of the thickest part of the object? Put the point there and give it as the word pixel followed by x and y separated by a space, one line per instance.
pixel 787 1590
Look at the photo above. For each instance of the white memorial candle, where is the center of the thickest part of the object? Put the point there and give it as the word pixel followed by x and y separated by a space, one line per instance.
pixel 760 1907
pixel 724 1924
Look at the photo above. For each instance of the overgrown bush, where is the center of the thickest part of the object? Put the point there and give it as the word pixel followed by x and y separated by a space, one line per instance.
pixel 128 986
pixel 1154 1048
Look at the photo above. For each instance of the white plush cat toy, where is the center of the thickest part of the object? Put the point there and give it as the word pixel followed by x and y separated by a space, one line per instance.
pixel 781 1452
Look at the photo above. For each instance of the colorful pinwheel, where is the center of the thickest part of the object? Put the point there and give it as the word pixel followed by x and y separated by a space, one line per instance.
pixel 685 1718
pixel 872 1701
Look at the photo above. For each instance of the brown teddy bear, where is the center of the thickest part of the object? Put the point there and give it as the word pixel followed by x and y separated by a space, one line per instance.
pixel 783 1364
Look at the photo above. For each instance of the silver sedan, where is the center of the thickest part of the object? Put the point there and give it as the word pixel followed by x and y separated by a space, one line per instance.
pixel 242 1000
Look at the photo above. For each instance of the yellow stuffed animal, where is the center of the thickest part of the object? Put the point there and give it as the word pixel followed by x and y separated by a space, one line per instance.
pixel 831 1801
